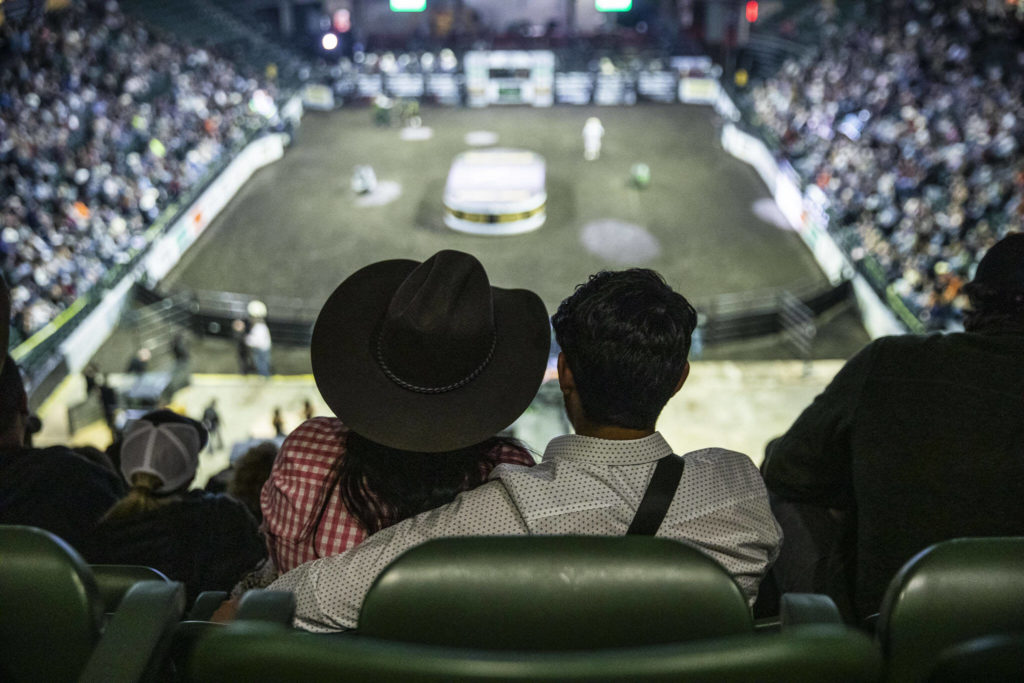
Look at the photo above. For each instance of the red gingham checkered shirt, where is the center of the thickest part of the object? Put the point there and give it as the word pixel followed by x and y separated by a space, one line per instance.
pixel 289 498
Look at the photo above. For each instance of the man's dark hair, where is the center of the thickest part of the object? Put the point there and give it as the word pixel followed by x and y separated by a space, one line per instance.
pixel 992 307
pixel 997 291
pixel 625 335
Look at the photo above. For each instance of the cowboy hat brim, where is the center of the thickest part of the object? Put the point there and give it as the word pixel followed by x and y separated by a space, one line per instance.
pixel 354 386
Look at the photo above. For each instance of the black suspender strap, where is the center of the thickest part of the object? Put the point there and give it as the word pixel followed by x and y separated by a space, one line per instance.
pixel 658 496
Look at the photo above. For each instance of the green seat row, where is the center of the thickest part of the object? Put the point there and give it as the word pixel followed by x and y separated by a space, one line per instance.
pixel 517 608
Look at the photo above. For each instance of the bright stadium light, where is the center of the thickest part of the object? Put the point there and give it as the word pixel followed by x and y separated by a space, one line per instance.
pixel 613 5
pixel 329 41
pixel 408 5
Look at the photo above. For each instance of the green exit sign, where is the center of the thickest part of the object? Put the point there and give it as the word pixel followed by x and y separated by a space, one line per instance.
pixel 613 5
pixel 408 5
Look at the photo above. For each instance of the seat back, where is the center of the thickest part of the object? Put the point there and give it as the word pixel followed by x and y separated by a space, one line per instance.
pixel 50 608
pixel 990 659
pixel 114 580
pixel 553 593
pixel 261 653
pixel 949 593
pixel 138 637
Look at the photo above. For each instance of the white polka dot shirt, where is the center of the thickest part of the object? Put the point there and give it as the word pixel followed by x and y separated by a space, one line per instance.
pixel 583 486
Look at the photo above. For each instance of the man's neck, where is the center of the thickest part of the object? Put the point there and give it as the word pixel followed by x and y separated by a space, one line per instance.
pixel 612 432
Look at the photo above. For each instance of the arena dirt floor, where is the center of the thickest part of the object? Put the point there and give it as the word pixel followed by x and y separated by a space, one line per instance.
pixel 706 222
pixel 297 229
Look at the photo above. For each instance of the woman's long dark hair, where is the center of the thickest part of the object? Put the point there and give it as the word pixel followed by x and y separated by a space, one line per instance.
pixel 379 485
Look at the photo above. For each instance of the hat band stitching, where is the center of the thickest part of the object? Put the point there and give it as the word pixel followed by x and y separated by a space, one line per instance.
pixel 433 390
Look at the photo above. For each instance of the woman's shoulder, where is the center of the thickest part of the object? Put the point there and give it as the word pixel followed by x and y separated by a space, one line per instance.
pixel 318 439
pixel 316 432
pixel 512 454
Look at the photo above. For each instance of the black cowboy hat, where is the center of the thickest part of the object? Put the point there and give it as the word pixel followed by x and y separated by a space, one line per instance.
pixel 429 356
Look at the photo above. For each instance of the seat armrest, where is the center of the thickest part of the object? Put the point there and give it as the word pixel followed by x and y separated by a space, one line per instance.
pixel 768 624
pixel 796 609
pixel 187 635
pixel 114 580
pixel 277 607
pixel 137 638
pixel 205 605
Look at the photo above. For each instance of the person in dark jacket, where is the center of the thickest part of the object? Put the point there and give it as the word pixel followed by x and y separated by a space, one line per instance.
pixel 51 488
pixel 917 440
pixel 207 541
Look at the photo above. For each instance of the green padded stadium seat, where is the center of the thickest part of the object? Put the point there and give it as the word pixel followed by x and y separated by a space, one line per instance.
pixel 796 609
pixel 989 659
pixel 553 593
pixel 205 605
pixel 114 580
pixel 40 573
pixel 137 639
pixel 261 653
pixel 51 616
pixel 277 607
pixel 950 593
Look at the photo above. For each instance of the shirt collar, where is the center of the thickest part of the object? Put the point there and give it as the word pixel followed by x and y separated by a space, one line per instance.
pixel 607 452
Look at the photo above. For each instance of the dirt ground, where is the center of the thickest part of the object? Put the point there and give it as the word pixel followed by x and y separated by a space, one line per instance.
pixel 297 229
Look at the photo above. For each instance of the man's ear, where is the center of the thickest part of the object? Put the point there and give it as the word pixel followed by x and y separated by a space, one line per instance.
pixel 682 378
pixel 566 382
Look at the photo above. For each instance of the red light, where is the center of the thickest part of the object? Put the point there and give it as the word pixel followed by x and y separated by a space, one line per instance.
pixel 342 21
pixel 751 11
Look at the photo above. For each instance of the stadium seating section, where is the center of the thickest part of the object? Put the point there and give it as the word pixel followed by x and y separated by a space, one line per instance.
pixel 515 609
pixel 907 119
pixel 918 188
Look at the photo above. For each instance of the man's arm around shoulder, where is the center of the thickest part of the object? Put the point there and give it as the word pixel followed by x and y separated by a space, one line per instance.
pixel 329 592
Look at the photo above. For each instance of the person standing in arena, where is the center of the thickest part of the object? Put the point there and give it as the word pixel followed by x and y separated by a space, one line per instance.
pixel 257 340
pixel 211 421
pixel 593 131
pixel 624 338
pixel 239 333
pixel 918 439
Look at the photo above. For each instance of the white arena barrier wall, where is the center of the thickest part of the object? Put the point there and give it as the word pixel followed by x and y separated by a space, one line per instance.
pixel 806 212
pixel 168 249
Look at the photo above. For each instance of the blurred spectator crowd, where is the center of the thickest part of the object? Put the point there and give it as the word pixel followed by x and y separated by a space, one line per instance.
pixel 911 122
pixel 102 126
